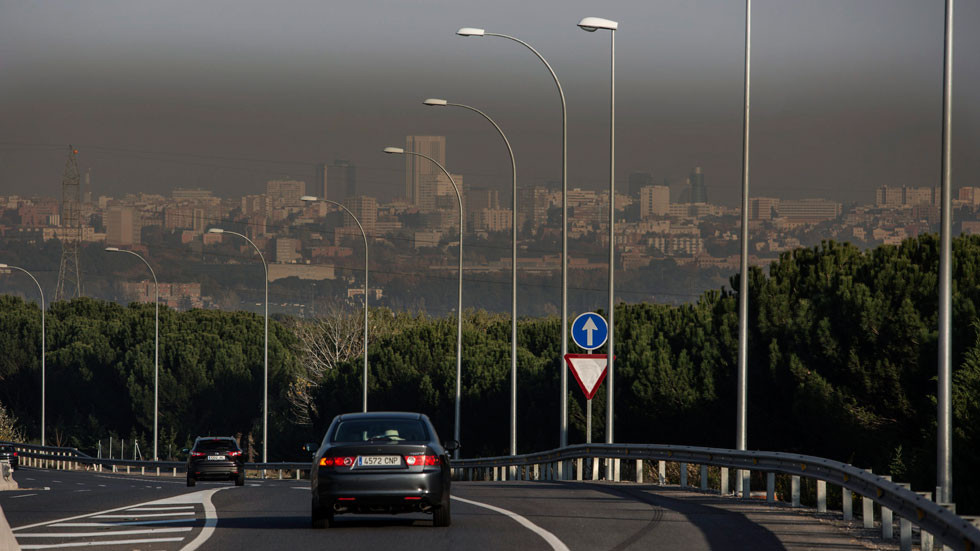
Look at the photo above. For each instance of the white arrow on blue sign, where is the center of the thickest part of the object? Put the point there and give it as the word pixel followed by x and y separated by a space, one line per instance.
pixel 589 331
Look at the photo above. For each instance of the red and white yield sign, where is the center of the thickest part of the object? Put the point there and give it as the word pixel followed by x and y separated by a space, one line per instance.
pixel 589 371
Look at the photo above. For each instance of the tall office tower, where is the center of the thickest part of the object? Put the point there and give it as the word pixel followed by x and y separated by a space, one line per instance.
pixel 637 181
pixel 122 226
pixel 366 210
pixel 699 193
pixel 285 193
pixel 343 179
pixel 421 175
pixel 321 180
pixel 654 201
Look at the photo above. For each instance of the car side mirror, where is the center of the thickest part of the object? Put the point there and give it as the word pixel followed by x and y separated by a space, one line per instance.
pixel 185 450
pixel 451 446
pixel 310 447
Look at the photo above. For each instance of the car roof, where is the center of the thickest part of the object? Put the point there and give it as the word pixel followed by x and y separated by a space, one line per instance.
pixel 216 438
pixel 380 415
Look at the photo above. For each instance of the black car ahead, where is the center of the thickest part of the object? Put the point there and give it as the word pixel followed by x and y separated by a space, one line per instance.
pixel 8 452
pixel 384 462
pixel 215 458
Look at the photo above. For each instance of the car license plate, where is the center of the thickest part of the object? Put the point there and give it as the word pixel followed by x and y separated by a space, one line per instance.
pixel 216 458
pixel 379 461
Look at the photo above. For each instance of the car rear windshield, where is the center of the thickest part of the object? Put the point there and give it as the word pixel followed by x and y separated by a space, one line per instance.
pixel 381 430
pixel 215 445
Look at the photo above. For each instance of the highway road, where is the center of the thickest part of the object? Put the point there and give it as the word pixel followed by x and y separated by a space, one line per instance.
pixel 72 510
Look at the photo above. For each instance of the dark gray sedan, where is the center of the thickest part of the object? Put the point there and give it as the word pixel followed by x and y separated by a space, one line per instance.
pixel 385 463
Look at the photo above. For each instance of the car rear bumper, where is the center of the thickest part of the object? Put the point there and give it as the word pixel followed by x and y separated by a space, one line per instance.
pixel 222 469
pixel 381 493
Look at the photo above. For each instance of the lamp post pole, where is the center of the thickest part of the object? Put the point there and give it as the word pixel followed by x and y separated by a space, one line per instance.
pixel 156 345
pixel 459 290
pixel 364 235
pixel 944 437
pixel 513 268
pixel 592 24
pixel 265 375
pixel 563 436
pixel 43 389
pixel 741 430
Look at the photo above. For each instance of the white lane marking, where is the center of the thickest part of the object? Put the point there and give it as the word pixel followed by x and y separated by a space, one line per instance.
pixel 104 533
pixel 547 536
pixel 170 508
pixel 127 523
pixel 138 515
pixel 58 481
pixel 33 479
pixel 300 488
pixel 99 543
pixel 76 491
pixel 23 495
pixel 82 483
pixel 211 520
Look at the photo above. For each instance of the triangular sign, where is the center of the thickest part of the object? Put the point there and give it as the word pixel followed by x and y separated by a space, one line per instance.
pixel 589 371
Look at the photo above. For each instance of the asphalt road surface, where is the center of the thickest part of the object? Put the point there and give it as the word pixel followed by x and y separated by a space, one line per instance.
pixel 72 510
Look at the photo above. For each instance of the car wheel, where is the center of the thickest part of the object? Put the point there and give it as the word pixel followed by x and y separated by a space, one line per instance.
pixel 240 479
pixel 441 515
pixel 191 481
pixel 320 518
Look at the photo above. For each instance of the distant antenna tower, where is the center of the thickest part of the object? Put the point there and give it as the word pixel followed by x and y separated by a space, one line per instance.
pixel 69 282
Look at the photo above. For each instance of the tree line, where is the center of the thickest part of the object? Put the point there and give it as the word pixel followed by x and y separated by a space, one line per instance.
pixel 843 354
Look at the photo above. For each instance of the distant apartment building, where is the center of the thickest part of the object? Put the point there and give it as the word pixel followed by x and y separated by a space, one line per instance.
pixel 422 175
pixel 287 250
pixel 763 208
pixel 492 220
pixel 336 181
pixel 532 205
pixel 654 201
pixel 969 196
pixel 179 296
pixel 426 239
pixel 699 193
pixel 809 210
pixel 285 193
pixel 196 194
pixel 366 210
pixel 122 226
pixel 886 197
pixel 694 210
pixel 481 198
pixel 42 212
pixel 580 198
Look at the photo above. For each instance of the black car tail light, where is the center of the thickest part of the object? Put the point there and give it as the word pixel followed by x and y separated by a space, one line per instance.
pixel 424 460
pixel 234 454
pixel 341 461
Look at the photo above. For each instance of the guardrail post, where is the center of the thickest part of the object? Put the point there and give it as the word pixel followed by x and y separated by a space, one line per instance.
pixel 662 473
pixel 280 474
pixel 904 534
pixel 821 496
pixel 683 474
pixel 868 511
pixel 639 471
pixel 596 465
pixel 951 507
pixel 723 481
pixel 537 471
pixel 846 503
pixel 299 473
pixel 925 538
pixel 887 531
pixel 142 470
pixel 175 469
pixel 795 490
pixel 616 470
pixel 578 469
pixel 704 478
pixel 770 487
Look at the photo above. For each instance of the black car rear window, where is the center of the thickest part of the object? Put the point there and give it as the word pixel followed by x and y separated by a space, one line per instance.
pixel 387 430
pixel 215 446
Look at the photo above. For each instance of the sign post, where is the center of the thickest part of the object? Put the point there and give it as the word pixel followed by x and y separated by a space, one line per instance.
pixel 589 331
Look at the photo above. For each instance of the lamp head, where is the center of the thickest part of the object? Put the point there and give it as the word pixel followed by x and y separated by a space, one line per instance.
pixel 435 102
pixel 112 249
pixel 216 230
pixel 470 31
pixel 395 150
pixel 308 198
pixel 592 24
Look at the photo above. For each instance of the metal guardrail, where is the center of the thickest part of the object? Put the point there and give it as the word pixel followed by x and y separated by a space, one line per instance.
pixel 933 518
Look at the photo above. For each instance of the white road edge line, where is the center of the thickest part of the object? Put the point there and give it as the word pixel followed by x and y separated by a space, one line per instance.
pixel 211 520
pixel 99 543
pixel 103 533
pixel 547 536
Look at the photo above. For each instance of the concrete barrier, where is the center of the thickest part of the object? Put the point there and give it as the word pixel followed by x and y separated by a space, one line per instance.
pixel 7 481
pixel 7 540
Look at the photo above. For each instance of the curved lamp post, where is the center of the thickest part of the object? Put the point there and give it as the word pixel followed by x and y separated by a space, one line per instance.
pixel 513 268
pixel 592 24
pixel 30 275
pixel 364 235
pixel 156 344
pixel 459 291
pixel 470 31
pixel 265 375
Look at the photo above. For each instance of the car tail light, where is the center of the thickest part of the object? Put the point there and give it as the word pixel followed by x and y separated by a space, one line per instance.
pixel 234 454
pixel 337 461
pixel 15 454
pixel 197 454
pixel 424 460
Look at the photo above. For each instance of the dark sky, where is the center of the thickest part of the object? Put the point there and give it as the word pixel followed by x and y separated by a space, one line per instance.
pixel 846 93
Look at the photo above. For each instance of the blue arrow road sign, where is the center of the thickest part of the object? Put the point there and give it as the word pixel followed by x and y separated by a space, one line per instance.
pixel 589 331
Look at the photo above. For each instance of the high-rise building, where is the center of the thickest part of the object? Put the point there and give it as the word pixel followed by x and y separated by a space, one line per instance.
pixel 287 249
pixel 122 226
pixel 699 193
pixel 336 181
pixel 638 181
pixel 285 193
pixel 654 201
pixel 366 210
pixel 421 175
pixel 763 208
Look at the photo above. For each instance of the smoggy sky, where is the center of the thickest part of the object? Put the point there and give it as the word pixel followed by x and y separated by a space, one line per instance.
pixel 846 94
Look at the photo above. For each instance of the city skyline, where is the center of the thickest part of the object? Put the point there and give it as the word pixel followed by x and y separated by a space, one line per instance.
pixel 846 94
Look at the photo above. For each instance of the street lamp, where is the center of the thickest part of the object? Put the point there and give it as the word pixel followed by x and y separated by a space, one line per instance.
pixel 5 266
pixel 592 24
pixel 265 375
pixel 742 393
pixel 459 290
pixel 364 235
pixel 513 269
pixel 470 31
pixel 156 345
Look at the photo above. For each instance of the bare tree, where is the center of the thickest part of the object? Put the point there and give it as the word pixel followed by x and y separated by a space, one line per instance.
pixel 9 430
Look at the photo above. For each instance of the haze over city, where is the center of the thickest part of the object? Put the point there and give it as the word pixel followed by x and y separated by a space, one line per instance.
pixel 225 95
